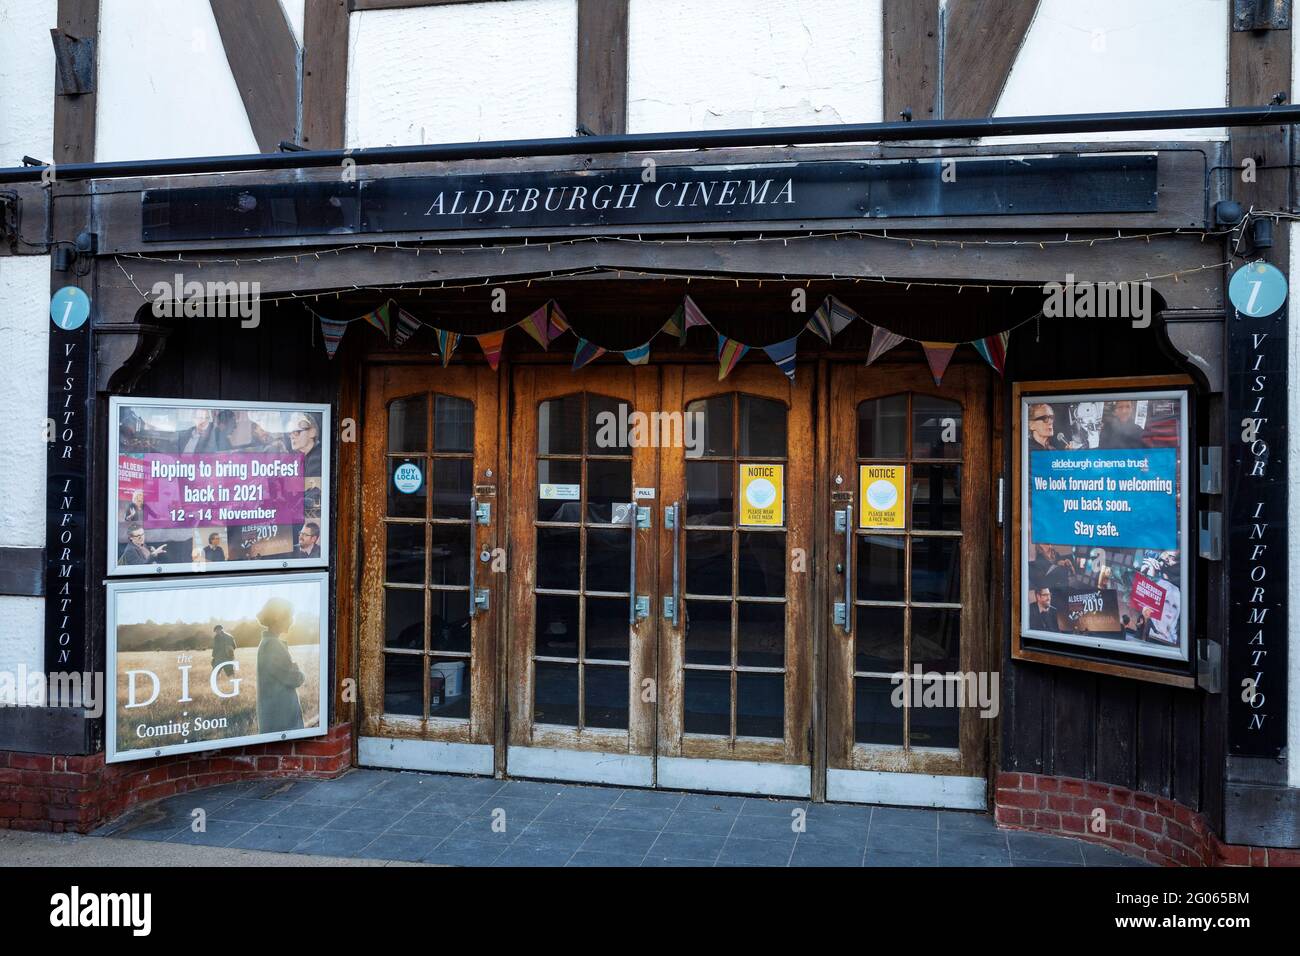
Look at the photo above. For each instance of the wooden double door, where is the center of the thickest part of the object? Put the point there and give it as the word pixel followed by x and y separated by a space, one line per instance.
pixel 626 575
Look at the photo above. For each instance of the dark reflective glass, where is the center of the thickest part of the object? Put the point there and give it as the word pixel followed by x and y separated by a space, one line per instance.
pixel 707 626
pixel 404 684
pixel 710 494
pixel 557 626
pixel 762 428
pixel 608 483
pixel 404 553
pixel 878 643
pixel 558 558
pixel 761 566
pixel 453 486
pixel 449 687
pixel 608 630
pixel 708 562
pixel 403 504
pixel 408 424
pixel 404 618
pixel 936 427
pixel 706 702
pixel 936 570
pixel 760 705
pixel 607 419
pixel 936 639
pixel 760 635
pixel 555 693
pixel 559 426
pixel 934 724
pixel 936 497
pixel 453 423
pixel 609 559
pixel 449 622
pixel 559 485
pixel 710 425
pixel 875 718
pixel 881 561
pixel 604 691
pixel 882 427
pixel 449 554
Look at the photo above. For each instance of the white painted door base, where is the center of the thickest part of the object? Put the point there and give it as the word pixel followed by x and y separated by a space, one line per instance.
pixel 585 766
pixel 735 776
pixel 906 789
pixel 440 756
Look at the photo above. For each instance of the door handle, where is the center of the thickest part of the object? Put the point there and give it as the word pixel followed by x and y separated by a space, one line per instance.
pixel 478 600
pixel 844 610
pixel 673 522
pixel 638 605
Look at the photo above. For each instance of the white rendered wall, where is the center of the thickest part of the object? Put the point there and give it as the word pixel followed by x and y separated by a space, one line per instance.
pixel 24 344
pixel 1086 56
pixel 165 88
pixel 462 73
pixel 722 64
pixel 26 80
pixel 293 12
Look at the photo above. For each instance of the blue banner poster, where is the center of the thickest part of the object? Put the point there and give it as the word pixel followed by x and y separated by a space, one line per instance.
pixel 1111 498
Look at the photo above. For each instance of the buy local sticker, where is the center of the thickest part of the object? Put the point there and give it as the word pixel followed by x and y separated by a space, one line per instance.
pixel 762 495
pixel 882 489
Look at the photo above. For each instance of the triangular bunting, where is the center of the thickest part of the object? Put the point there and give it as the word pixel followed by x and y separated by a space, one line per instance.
pixel 783 353
pixel 692 314
pixel 882 340
pixel 380 319
pixel 490 343
pixel 938 355
pixel 447 342
pixel 994 349
pixel 406 326
pixel 556 321
pixel 830 319
pixel 537 326
pixel 586 352
pixel 331 331
pixel 674 325
pixel 639 355
pixel 730 352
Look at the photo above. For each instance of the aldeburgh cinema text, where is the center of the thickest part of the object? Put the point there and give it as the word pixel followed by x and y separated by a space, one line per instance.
pixel 569 198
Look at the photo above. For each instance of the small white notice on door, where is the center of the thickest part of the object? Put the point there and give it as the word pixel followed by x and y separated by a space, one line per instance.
pixel 645 494
pixel 548 492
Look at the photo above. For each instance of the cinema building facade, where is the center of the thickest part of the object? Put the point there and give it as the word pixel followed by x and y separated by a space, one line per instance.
pixel 912 473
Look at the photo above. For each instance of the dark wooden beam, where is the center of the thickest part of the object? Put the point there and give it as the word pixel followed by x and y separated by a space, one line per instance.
pixel 22 571
pixel 400 4
pixel 911 40
pixel 602 66
pixel 74 114
pixel 324 73
pixel 263 58
pixel 981 40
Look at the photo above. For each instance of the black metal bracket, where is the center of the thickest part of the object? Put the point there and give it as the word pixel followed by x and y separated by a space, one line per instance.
pixel 1260 15
pixel 74 63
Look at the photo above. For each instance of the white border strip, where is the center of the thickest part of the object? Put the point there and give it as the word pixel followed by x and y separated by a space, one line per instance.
pixel 586 766
pixel 735 776
pixel 906 789
pixel 434 755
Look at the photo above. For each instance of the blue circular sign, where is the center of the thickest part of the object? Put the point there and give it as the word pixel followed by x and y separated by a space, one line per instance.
pixel 408 478
pixel 1257 288
pixel 69 308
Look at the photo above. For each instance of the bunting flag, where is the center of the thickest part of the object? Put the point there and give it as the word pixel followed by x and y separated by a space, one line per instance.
pixel 407 325
pixel 537 327
pixel 882 340
pixel 585 352
pixel 830 319
pixel 994 349
pixel 556 321
pixel 331 331
pixel 674 325
pixel 938 355
pixel 639 355
pixel 691 317
pixel 782 353
pixel 730 352
pixel 447 342
pixel 490 343
pixel 380 319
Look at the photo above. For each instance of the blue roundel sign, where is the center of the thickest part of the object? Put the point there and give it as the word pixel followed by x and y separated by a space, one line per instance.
pixel 69 308
pixel 1257 288
pixel 408 478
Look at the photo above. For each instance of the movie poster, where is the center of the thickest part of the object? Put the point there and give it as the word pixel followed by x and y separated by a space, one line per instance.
pixel 218 662
pixel 1103 518
pixel 217 486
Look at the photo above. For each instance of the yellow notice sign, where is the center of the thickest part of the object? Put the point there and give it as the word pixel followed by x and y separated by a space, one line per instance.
pixel 882 491
pixel 762 495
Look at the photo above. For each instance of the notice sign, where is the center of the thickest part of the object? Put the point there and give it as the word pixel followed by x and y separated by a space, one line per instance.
pixel 762 495
pixel 207 486
pixel 882 491
pixel 1103 489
